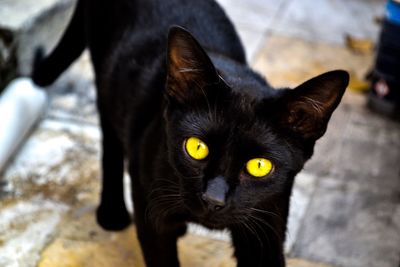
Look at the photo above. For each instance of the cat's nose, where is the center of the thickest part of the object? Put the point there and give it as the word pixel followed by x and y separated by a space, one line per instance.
pixel 215 193
pixel 212 202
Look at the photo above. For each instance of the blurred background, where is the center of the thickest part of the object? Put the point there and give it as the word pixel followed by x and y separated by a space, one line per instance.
pixel 346 202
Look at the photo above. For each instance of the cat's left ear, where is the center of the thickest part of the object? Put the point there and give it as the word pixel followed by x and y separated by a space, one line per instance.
pixel 308 107
pixel 190 69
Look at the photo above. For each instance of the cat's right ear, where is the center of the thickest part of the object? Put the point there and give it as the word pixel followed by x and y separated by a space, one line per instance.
pixel 308 108
pixel 190 70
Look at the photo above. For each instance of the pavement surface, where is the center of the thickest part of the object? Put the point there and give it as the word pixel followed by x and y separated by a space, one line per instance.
pixel 346 202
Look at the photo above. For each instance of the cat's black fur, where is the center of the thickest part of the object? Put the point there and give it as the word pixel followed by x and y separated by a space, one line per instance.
pixel 157 89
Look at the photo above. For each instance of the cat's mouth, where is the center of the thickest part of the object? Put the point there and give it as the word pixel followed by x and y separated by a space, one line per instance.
pixel 213 222
pixel 211 218
pixel 215 219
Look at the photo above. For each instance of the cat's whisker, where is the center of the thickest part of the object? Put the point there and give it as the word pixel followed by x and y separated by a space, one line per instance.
pixel 258 225
pixel 256 222
pixel 193 178
pixel 164 183
pixel 238 222
pixel 208 104
pixel 247 223
pixel 253 222
pixel 164 199
pixel 159 199
pixel 161 180
pixel 162 209
pixel 164 202
pixel 243 230
pixel 159 218
pixel 163 190
pixel 157 186
pixel 269 213
pixel 255 218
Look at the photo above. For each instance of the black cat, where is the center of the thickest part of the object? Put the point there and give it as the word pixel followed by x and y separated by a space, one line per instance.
pixel 206 139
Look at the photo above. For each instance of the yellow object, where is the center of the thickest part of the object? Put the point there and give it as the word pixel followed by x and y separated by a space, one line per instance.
pixel 259 167
pixel 196 148
pixel 357 84
pixel 361 46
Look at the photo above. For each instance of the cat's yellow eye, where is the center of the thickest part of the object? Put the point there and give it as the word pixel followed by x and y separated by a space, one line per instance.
pixel 196 148
pixel 259 167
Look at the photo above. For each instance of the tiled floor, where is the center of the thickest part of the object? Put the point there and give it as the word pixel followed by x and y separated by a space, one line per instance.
pixel 345 205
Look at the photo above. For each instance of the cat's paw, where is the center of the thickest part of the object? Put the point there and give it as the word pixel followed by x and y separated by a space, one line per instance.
pixel 113 219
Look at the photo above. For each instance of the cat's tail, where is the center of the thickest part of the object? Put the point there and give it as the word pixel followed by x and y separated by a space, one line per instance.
pixel 47 69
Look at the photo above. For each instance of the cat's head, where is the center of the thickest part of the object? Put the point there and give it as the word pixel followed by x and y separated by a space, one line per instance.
pixel 235 142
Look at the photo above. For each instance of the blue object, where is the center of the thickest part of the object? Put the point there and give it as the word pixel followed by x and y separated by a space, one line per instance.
pixel 384 97
pixel 393 11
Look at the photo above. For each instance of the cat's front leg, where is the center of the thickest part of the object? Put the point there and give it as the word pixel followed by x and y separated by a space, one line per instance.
pixel 257 246
pixel 112 213
pixel 159 249
pixel 159 246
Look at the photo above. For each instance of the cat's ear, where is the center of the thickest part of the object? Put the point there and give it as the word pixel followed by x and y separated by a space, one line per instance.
pixel 308 107
pixel 190 69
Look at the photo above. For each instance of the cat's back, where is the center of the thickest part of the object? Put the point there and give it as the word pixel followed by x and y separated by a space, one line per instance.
pixel 140 27
pixel 205 19
pixel 128 43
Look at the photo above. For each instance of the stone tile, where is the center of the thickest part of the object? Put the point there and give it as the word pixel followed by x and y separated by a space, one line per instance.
pixel 330 20
pixel 55 170
pixel 359 143
pixel 252 42
pixel 252 20
pixel 73 95
pixel 370 152
pixel 289 61
pixel 351 224
pixel 197 229
pixel 295 262
pixel 200 251
pixel 25 228
pixel 81 242
pixel 59 161
pixel 254 14
pixel 303 190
